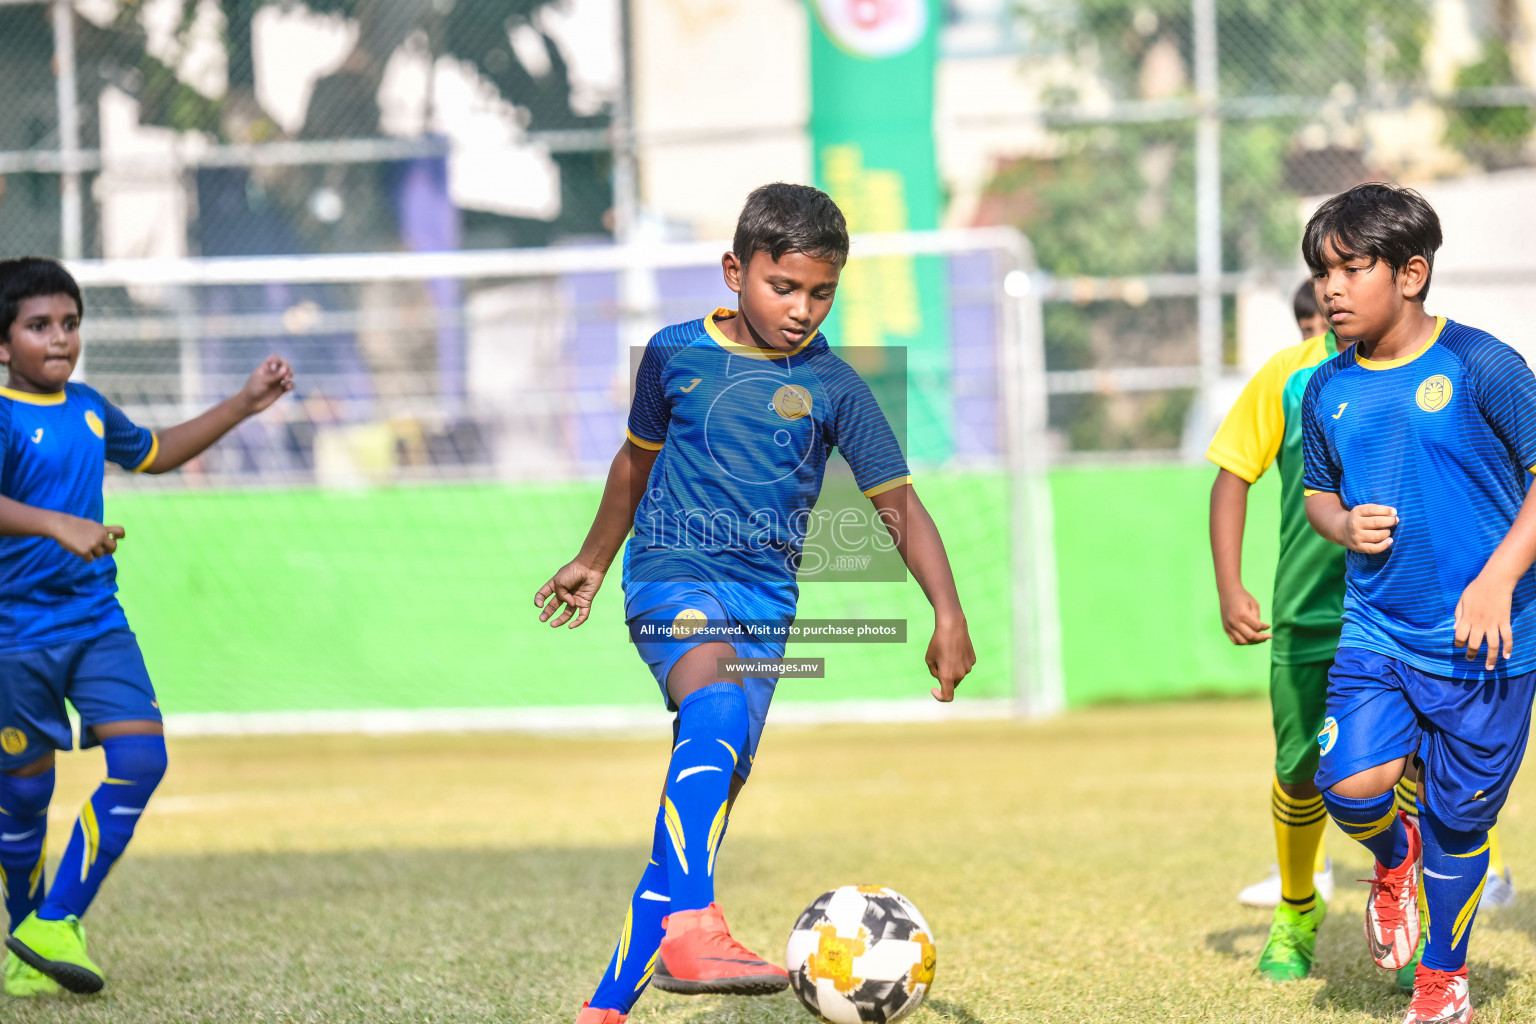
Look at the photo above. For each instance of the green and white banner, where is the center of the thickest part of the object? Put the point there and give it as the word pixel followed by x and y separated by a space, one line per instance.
pixel 872 81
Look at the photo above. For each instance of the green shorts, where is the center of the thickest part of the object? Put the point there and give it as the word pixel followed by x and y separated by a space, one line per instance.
pixel 1298 695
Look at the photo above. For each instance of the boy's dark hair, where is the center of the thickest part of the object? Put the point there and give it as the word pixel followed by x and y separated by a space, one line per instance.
pixel 1375 221
pixel 28 278
pixel 781 218
pixel 1304 302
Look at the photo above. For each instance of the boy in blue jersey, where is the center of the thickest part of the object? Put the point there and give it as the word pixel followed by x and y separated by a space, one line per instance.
pixel 1419 446
pixel 733 419
pixel 63 636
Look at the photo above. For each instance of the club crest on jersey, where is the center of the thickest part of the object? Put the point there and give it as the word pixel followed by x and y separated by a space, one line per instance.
pixel 1435 393
pixel 94 422
pixel 13 741
pixel 792 402
pixel 688 622
pixel 1328 736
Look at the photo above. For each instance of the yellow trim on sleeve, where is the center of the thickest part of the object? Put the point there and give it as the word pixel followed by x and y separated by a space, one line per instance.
pixel 640 442
pixel 1387 364
pixel 154 449
pixel 750 351
pixel 28 398
pixel 889 485
pixel 1307 492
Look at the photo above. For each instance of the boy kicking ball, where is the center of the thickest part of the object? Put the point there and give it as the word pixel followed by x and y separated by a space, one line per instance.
pixel 733 419
pixel 1419 445
pixel 63 636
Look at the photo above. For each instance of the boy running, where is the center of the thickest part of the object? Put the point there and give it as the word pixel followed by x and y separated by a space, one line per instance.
pixel 1418 449
pixel 63 636
pixel 733 419
pixel 1264 426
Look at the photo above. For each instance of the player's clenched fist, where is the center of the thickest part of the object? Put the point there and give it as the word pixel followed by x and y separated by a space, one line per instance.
pixel 569 593
pixel 87 538
pixel 1368 529
pixel 267 383
pixel 950 658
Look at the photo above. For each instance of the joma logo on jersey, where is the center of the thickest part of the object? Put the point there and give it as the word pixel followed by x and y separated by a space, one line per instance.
pixel 94 422
pixel 1435 393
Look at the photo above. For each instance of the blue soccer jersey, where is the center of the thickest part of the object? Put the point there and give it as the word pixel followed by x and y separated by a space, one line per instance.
pixel 1446 436
pixel 743 436
pixel 53 451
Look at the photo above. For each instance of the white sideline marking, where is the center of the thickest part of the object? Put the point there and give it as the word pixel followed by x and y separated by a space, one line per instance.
pixel 596 719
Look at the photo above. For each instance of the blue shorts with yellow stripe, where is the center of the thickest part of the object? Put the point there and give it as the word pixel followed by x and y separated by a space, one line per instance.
pixel 1470 732
pixel 103 677
pixel 669 619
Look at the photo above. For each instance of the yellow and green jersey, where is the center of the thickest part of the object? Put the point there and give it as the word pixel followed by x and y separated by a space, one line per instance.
pixel 1264 427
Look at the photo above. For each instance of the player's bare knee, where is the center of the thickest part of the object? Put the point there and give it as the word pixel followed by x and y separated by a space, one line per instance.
pixel 1304 790
pixel 38 767
pixel 1370 783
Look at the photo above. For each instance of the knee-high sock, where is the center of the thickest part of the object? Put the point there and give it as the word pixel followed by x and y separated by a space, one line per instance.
pixel 23 841
pixel 635 957
pixel 1373 822
pixel 1495 852
pixel 135 765
pixel 1455 868
pixel 1299 824
pixel 1406 797
pixel 712 732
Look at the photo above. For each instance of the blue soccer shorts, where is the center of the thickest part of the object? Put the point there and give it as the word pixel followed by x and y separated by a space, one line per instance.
pixel 667 620
pixel 1470 732
pixel 103 677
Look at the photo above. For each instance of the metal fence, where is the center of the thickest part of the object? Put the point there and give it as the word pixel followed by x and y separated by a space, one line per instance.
pixel 1176 145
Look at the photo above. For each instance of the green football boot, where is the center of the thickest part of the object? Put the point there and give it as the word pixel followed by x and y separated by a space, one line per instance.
pixel 1403 976
pixel 22 981
pixel 57 948
pixel 1288 954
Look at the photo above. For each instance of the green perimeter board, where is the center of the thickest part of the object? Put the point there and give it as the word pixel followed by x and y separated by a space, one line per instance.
pixel 423 597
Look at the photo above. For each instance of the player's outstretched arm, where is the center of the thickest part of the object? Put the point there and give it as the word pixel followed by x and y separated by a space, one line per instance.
pixel 1484 609
pixel 568 594
pixel 86 538
pixel 1240 615
pixel 185 441
pixel 950 655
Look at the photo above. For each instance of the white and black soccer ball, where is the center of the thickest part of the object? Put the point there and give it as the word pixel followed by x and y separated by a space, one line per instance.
pixel 861 954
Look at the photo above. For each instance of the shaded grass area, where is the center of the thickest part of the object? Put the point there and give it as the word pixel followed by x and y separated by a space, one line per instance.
pixel 1078 870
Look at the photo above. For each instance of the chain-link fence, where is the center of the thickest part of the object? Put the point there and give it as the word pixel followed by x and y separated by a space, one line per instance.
pixel 1186 141
pixel 1177 145
pixel 247 127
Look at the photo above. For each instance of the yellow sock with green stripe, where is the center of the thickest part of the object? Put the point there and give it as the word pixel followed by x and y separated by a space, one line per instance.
pixel 135 765
pixel 1299 825
pixel 1405 797
pixel 1373 823
pixel 711 735
pixel 1455 868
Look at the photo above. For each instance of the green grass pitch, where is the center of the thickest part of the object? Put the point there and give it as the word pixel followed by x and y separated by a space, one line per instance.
pixel 1077 870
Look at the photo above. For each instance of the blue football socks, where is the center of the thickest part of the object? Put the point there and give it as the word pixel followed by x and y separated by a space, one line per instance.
pixel 1373 822
pixel 712 734
pixel 635 957
pixel 135 765
pixel 1455 868
pixel 23 841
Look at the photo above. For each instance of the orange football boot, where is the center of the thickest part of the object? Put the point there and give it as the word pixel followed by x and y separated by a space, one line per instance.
pixel 698 957
pixel 592 1015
